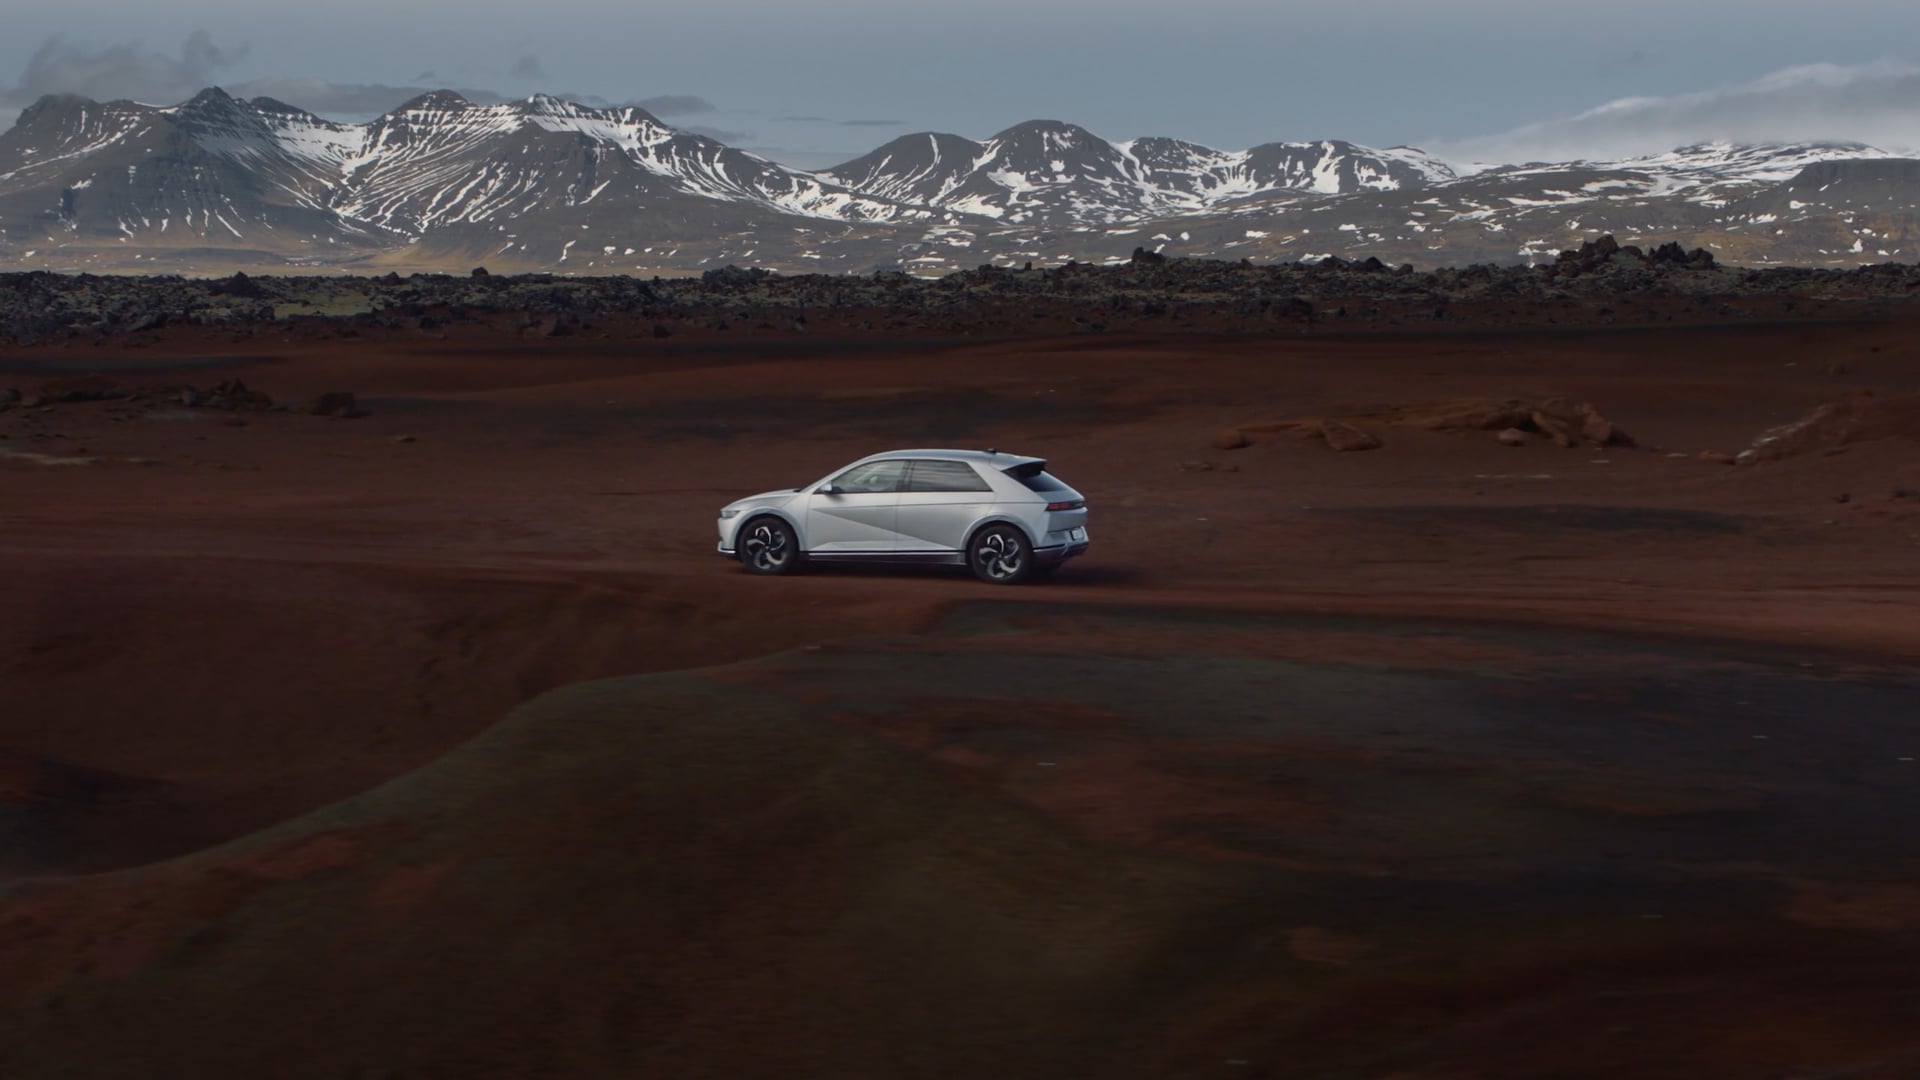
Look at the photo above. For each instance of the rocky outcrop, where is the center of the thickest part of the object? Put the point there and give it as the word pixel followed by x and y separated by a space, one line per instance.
pixel 1836 425
pixel 1605 253
pixel 1569 423
pixel 1345 437
pixel 228 394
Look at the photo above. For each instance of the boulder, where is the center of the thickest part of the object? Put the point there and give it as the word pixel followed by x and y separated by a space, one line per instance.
pixel 1601 431
pixel 1553 428
pixel 336 403
pixel 1344 437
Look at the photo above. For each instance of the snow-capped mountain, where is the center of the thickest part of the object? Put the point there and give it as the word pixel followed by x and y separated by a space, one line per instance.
pixel 441 182
pixel 441 160
pixel 203 174
pixel 232 174
pixel 1044 170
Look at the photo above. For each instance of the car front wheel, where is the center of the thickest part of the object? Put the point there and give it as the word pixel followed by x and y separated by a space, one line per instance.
pixel 1001 555
pixel 768 546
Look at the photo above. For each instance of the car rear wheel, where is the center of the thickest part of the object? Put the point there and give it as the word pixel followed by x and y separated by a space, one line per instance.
pixel 768 546
pixel 1000 554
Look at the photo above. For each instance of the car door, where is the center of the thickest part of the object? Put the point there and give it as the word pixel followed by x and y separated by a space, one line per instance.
pixel 940 501
pixel 855 511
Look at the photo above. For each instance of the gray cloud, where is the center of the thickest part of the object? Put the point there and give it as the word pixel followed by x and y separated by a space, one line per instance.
pixel 731 138
pixel 139 74
pixel 121 71
pixel 842 123
pixel 1877 104
pixel 675 105
pixel 813 160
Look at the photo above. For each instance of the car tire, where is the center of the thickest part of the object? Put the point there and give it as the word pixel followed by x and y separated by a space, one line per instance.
pixel 1000 555
pixel 767 546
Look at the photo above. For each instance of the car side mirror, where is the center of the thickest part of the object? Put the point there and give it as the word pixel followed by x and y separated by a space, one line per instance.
pixel 827 489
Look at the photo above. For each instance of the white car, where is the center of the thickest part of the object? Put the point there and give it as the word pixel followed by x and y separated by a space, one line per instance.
pixel 1001 514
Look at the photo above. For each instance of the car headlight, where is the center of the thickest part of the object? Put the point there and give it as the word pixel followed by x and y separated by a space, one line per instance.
pixel 729 512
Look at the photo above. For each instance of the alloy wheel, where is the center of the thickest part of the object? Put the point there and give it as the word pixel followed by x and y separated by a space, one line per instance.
pixel 1000 556
pixel 769 547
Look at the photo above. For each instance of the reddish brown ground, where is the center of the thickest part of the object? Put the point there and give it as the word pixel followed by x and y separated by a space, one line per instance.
pixel 1441 760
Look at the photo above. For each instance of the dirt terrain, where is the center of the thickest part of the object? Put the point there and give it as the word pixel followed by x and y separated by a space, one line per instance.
pixel 426 735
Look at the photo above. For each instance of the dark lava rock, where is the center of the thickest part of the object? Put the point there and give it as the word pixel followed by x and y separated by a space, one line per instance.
pixel 239 285
pixel 733 276
pixel 1588 257
pixel 1673 255
pixel 42 307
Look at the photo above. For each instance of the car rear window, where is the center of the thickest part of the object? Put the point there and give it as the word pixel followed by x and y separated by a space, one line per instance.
pixel 945 476
pixel 1034 474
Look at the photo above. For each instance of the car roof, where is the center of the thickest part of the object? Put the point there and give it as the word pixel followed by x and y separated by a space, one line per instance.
pixel 988 457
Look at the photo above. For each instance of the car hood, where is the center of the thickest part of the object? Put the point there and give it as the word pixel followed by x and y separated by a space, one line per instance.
pixel 765 498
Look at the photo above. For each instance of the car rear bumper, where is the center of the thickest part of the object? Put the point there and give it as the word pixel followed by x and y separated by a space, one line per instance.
pixel 1058 553
pixel 1057 547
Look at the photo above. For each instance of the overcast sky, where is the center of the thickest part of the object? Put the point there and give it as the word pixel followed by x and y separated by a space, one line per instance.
pixel 815 82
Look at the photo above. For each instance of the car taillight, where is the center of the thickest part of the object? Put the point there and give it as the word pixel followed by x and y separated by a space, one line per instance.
pixel 1074 505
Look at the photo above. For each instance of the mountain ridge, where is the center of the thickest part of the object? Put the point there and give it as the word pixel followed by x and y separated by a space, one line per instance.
pixel 545 183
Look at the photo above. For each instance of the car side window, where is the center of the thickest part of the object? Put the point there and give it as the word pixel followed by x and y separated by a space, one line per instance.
pixel 874 476
pixel 945 476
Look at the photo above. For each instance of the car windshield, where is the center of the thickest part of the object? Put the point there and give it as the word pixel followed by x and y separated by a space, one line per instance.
pixel 874 476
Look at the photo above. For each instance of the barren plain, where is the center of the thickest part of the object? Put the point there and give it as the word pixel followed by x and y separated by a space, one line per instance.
pixel 431 738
